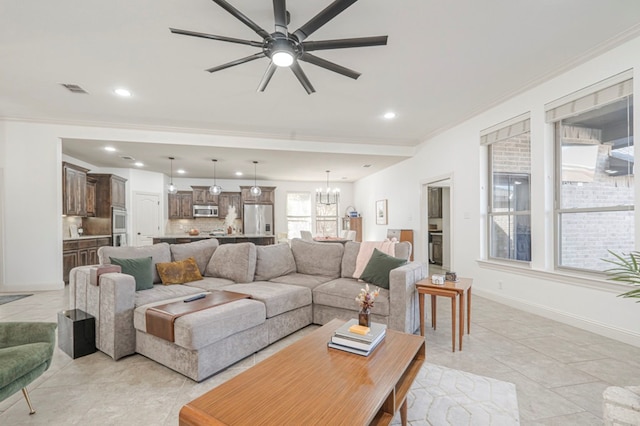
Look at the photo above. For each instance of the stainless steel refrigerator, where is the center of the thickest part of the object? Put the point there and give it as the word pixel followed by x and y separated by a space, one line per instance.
pixel 258 219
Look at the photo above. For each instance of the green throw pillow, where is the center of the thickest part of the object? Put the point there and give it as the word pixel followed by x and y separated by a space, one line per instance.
pixel 377 270
pixel 139 268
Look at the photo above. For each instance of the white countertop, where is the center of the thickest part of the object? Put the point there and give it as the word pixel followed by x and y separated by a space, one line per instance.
pixel 86 237
pixel 202 235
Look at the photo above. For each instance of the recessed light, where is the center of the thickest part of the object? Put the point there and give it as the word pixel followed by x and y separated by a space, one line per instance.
pixel 181 171
pixel 238 173
pixel 138 164
pixel 389 115
pixel 122 92
pixel 109 148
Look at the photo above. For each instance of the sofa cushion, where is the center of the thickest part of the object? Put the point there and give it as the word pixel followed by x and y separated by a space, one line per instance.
pixel 159 252
pixel 139 268
pixel 309 281
pixel 161 292
pixel 16 362
pixel 201 251
pixel 317 258
pixel 200 329
pixel 342 292
pixel 274 261
pixel 378 268
pixel 210 283
pixel 278 298
pixel 236 262
pixel 179 272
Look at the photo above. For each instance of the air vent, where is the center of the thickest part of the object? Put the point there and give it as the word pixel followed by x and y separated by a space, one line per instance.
pixel 74 88
pixel 127 157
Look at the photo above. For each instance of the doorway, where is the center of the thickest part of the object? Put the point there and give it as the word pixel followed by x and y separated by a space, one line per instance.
pixel 146 218
pixel 436 215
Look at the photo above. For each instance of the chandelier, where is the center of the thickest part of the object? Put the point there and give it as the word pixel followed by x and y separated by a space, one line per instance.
pixel 327 195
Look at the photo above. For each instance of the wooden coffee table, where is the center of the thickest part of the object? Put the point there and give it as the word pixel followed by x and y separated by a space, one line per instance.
pixel 308 383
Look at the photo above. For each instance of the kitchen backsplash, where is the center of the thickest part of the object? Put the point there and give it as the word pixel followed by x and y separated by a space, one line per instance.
pixel 203 224
pixel 67 221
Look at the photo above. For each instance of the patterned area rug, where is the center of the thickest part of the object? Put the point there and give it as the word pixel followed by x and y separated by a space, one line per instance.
pixel 11 298
pixel 443 396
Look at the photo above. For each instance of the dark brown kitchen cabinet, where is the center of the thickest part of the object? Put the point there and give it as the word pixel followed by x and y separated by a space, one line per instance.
pixel 181 205
pixel 81 252
pixel 228 199
pixel 74 190
pixel 91 196
pixel 202 196
pixel 436 254
pixel 435 203
pixel 267 196
pixel 110 192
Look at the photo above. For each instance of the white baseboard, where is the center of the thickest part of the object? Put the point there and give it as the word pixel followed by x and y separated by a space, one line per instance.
pixel 580 322
pixel 27 288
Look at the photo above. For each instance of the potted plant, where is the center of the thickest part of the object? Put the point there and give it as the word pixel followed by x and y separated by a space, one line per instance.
pixel 627 270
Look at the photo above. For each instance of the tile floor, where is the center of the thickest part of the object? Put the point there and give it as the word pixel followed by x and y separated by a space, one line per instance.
pixel 560 371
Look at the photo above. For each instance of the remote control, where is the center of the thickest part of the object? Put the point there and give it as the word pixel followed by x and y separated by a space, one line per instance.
pixel 196 297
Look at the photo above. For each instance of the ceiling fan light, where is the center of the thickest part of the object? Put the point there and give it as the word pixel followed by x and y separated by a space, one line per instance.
pixel 282 58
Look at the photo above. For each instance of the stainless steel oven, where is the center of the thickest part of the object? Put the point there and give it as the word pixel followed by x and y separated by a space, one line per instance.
pixel 118 221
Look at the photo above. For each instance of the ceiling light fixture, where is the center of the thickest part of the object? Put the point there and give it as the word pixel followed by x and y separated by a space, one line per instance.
pixel 389 115
pixel 181 171
pixel 328 195
pixel 215 189
pixel 238 173
pixel 138 164
pixel 172 188
pixel 109 148
pixel 255 189
pixel 122 92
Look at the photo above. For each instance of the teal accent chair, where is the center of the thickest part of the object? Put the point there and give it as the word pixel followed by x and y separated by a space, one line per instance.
pixel 26 349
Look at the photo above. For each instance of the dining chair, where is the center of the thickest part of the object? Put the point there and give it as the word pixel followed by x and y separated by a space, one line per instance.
pixel 306 235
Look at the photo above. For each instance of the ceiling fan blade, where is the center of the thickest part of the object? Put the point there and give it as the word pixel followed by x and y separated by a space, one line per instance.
pixel 302 78
pixel 307 57
pixel 237 62
pixel 330 12
pixel 266 78
pixel 344 43
pixel 242 18
pixel 216 37
pixel 280 16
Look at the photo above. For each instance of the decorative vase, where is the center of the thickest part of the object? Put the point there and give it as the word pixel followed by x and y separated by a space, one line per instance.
pixel 364 318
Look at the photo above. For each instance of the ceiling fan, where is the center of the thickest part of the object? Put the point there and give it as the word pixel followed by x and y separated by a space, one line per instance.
pixel 285 49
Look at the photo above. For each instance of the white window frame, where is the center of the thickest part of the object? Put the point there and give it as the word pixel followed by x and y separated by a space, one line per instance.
pixel 300 219
pixel 499 133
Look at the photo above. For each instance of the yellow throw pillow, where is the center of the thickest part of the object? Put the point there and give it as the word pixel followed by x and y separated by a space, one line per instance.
pixel 180 272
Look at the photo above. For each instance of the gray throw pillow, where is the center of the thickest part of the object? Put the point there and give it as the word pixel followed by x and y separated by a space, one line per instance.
pixel 139 268
pixel 378 269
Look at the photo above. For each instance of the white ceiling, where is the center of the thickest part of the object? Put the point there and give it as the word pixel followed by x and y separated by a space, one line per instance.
pixel 445 61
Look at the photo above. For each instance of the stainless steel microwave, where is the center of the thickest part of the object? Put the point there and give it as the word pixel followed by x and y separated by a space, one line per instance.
pixel 205 211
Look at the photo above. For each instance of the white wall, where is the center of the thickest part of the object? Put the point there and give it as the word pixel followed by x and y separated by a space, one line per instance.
pixel 578 300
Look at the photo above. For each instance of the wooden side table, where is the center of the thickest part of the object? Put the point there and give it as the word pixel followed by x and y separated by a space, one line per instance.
pixel 448 289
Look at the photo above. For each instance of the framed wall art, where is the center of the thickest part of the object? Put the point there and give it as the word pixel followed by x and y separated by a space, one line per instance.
pixel 381 212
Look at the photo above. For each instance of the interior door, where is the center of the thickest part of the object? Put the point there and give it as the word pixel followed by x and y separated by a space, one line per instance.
pixel 146 218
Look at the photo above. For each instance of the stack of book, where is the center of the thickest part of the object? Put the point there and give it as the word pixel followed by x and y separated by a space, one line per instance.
pixel 357 339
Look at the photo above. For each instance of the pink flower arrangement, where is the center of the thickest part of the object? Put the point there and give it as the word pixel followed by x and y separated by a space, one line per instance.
pixel 366 298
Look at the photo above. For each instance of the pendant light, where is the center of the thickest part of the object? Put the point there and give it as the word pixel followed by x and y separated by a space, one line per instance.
pixel 328 195
pixel 255 189
pixel 172 188
pixel 215 189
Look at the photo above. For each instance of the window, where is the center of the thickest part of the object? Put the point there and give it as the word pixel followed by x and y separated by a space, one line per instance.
pixel 327 219
pixel 298 213
pixel 509 216
pixel 594 197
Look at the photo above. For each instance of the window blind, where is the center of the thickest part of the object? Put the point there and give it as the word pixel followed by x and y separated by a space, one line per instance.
pixel 505 130
pixel 602 93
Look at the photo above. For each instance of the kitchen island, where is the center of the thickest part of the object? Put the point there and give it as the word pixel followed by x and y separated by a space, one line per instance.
pixel 259 240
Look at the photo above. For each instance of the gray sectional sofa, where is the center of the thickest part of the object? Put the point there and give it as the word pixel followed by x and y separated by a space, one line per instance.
pixel 291 286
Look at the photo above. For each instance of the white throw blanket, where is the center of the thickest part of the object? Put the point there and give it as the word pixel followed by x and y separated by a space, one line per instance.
pixel 366 250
